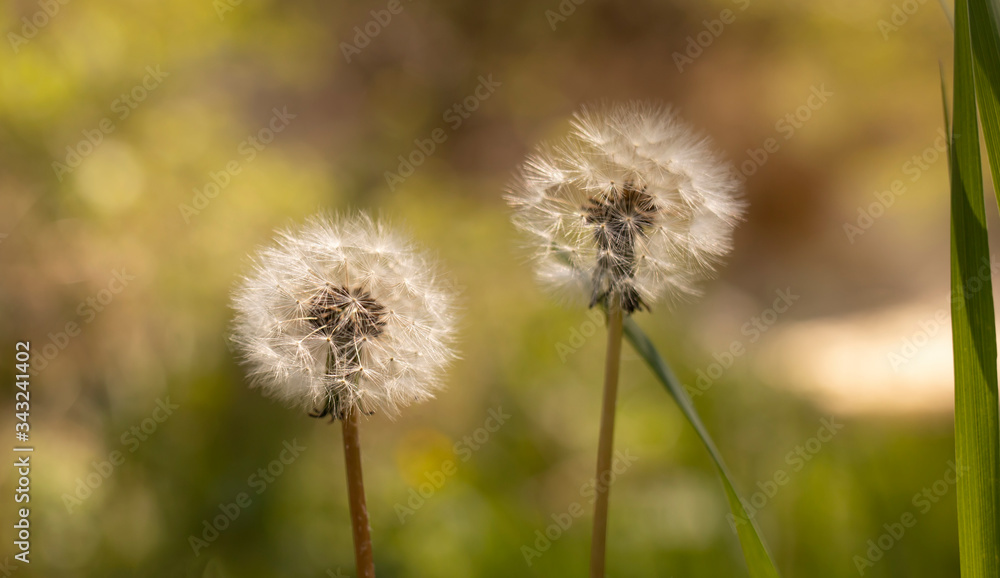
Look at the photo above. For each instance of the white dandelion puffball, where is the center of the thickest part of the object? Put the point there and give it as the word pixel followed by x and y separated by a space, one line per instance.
pixel 340 313
pixel 632 205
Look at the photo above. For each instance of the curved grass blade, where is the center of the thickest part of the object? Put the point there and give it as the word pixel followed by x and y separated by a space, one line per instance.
pixel 984 22
pixel 977 424
pixel 947 119
pixel 754 551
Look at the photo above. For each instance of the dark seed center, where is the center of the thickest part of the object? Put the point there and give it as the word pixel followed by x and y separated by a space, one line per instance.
pixel 348 318
pixel 619 218
pixel 347 315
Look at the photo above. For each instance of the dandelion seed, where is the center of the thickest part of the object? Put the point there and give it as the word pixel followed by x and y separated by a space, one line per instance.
pixel 632 206
pixel 341 313
pixel 341 317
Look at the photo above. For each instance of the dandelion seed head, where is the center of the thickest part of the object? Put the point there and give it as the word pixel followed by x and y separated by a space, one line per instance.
pixel 632 206
pixel 341 313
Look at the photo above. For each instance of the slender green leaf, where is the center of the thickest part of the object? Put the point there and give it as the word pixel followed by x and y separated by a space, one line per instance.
pixel 977 428
pixel 757 557
pixel 947 120
pixel 984 18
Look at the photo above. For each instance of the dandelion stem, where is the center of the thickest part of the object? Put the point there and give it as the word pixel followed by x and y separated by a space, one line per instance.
pixel 606 443
pixel 356 495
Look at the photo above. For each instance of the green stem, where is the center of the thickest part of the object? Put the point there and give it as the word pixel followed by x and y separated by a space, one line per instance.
pixel 606 443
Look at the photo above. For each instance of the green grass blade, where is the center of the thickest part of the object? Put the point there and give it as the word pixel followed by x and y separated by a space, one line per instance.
pixel 984 18
pixel 757 558
pixel 947 119
pixel 977 428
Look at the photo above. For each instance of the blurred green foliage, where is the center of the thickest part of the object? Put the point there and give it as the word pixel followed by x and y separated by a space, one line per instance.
pixel 228 65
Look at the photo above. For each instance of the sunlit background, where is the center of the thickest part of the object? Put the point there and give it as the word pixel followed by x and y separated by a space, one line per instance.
pixel 147 147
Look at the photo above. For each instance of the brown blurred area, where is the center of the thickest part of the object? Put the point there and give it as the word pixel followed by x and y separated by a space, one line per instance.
pixel 843 96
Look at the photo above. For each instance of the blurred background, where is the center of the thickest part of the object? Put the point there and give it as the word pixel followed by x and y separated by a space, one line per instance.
pixel 146 148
